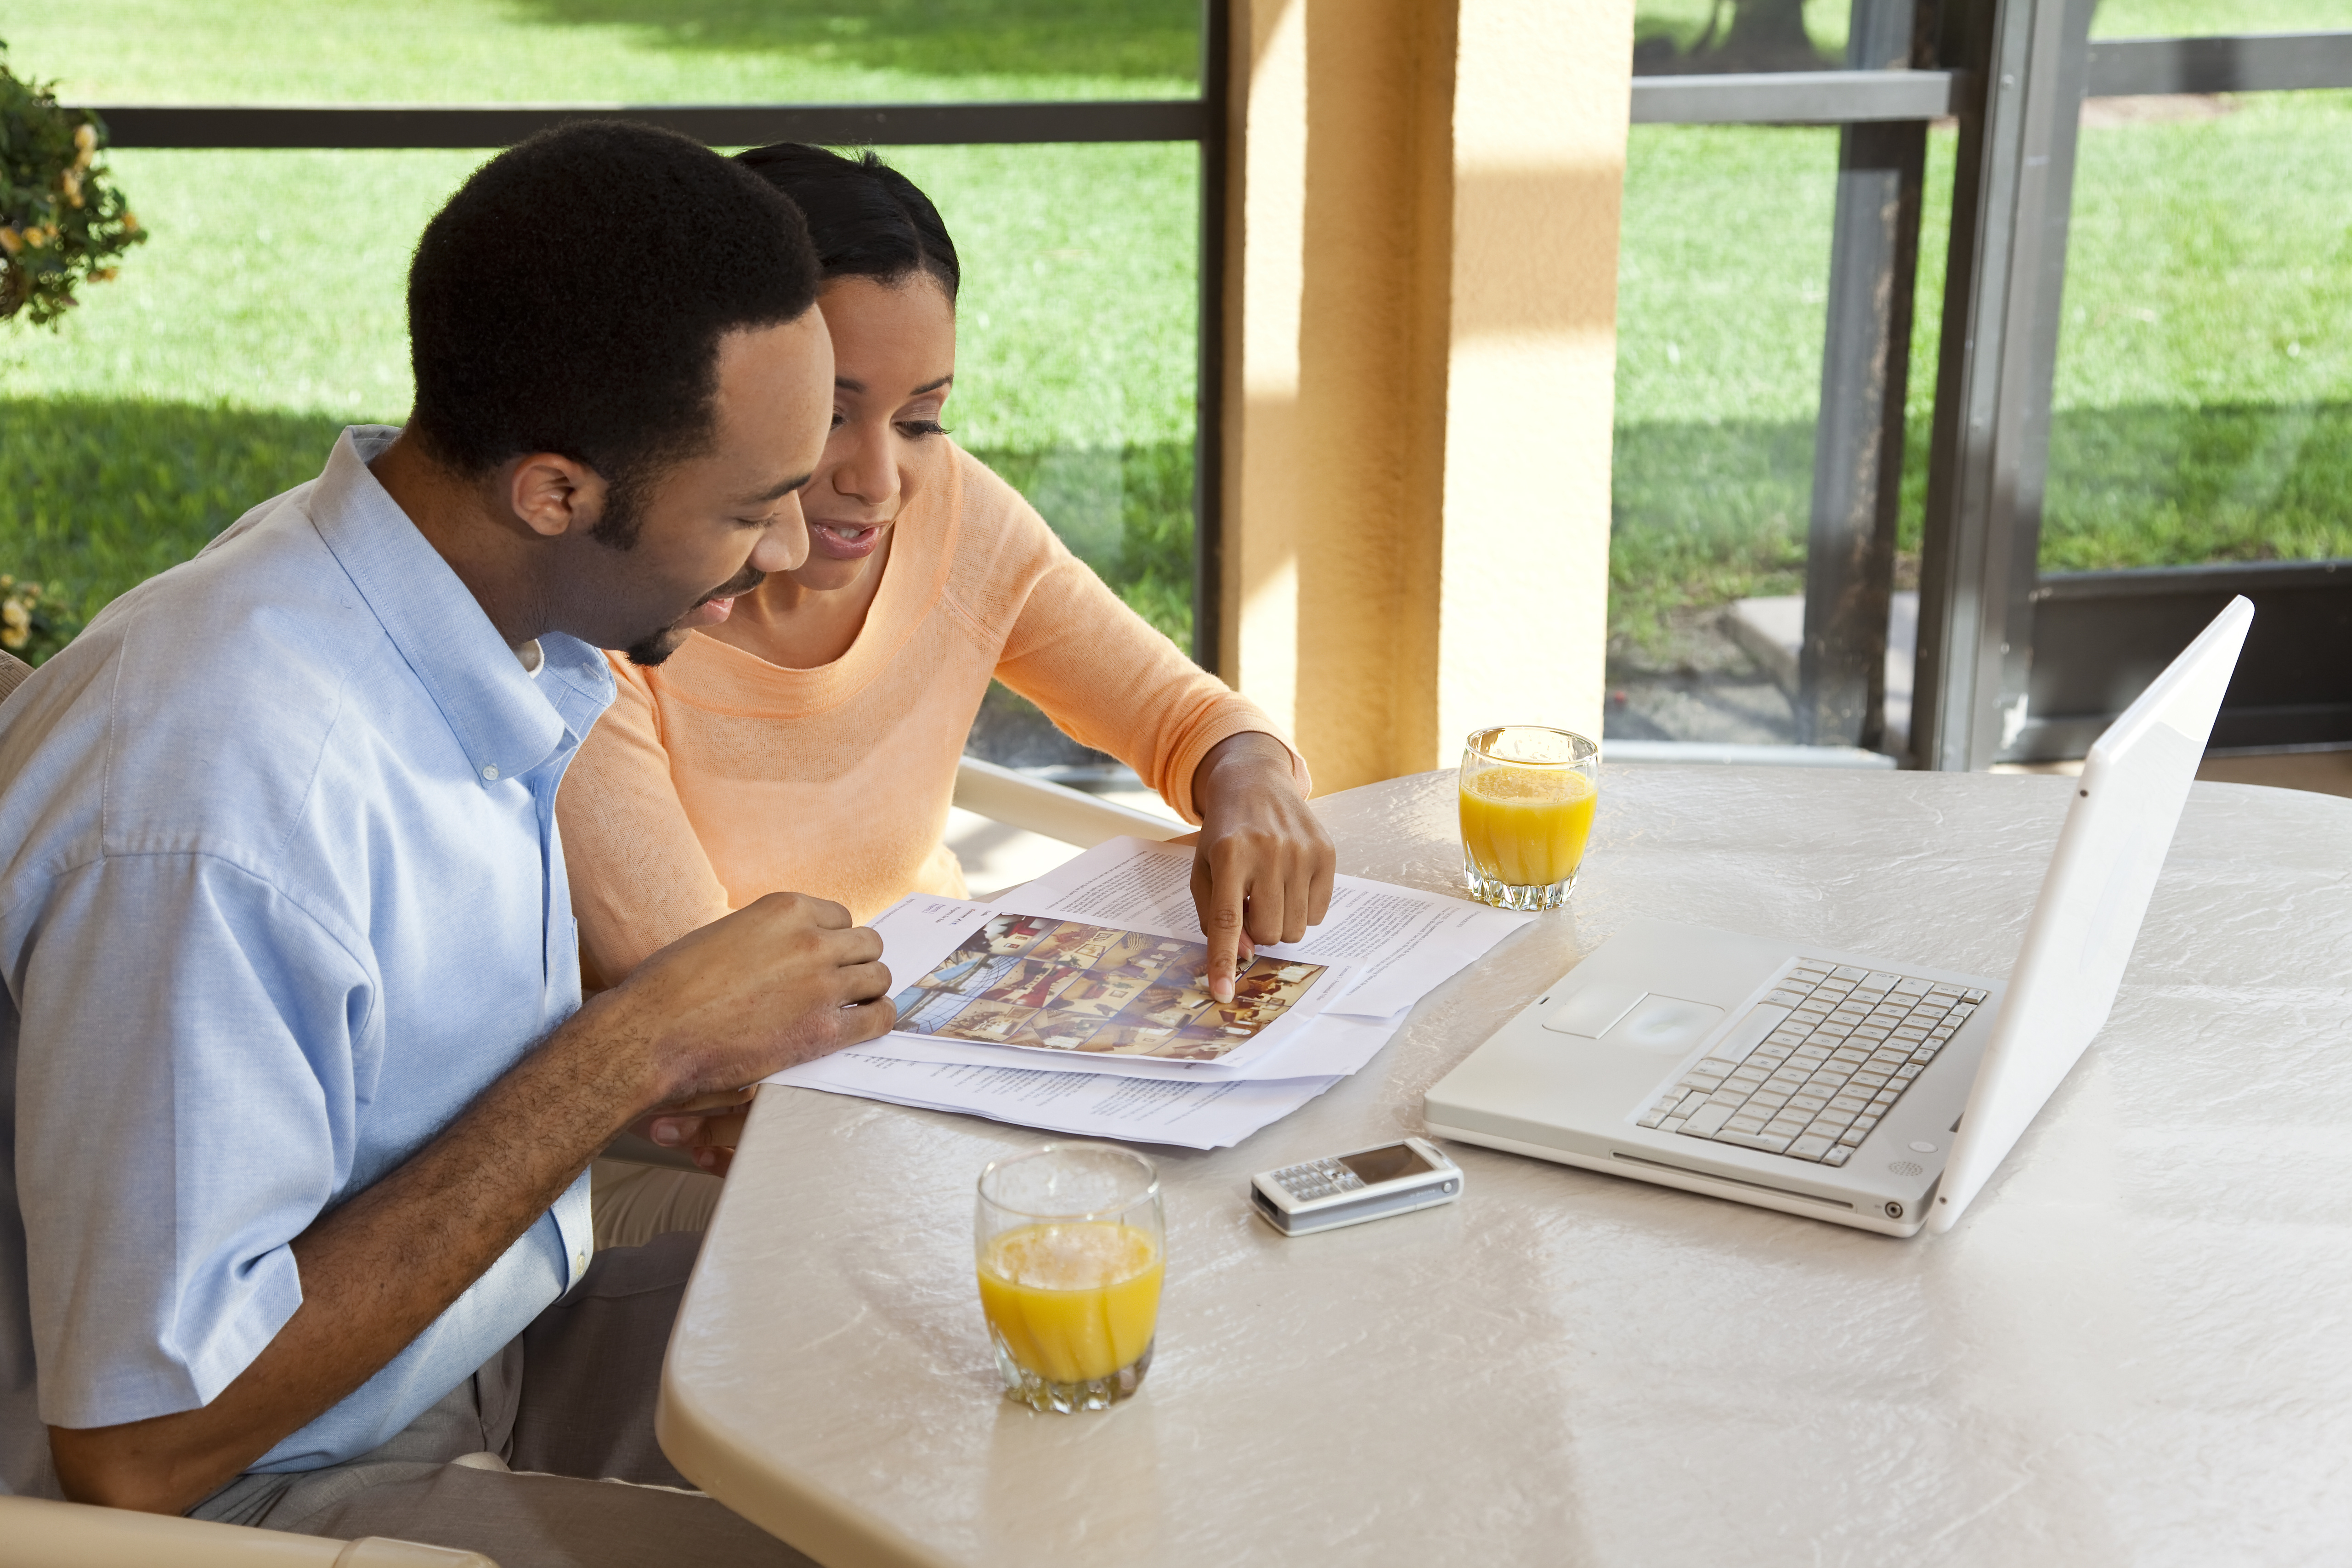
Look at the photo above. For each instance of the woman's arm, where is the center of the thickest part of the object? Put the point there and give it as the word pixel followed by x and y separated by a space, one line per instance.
pixel 640 877
pixel 1263 867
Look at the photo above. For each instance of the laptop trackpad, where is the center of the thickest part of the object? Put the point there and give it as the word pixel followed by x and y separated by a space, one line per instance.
pixel 1666 1025
pixel 1593 1009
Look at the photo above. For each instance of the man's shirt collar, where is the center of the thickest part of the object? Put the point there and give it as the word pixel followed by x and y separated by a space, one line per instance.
pixel 506 721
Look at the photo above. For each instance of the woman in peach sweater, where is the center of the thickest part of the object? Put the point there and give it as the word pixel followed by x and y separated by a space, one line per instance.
pixel 806 738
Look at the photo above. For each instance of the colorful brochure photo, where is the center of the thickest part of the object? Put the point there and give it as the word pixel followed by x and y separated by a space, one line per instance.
pixel 1056 984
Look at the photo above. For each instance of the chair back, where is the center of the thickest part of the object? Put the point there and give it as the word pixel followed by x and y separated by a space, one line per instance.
pixel 13 671
pixel 36 1533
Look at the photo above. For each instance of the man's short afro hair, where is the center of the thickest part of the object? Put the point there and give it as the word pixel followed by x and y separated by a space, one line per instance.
pixel 570 298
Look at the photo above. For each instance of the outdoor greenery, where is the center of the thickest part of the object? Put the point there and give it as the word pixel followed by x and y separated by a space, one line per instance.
pixel 2204 403
pixel 62 222
pixel 165 477
pixel 35 619
pixel 609 51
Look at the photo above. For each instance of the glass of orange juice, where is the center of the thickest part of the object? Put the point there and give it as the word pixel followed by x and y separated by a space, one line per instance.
pixel 1068 1240
pixel 1526 810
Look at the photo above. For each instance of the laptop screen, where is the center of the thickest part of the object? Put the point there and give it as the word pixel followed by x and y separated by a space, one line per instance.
pixel 2088 916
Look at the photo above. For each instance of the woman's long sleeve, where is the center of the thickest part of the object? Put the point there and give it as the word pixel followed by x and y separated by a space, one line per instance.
pixel 1111 681
pixel 640 877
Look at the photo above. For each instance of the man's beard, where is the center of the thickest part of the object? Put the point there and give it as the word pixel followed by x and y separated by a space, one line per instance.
pixel 617 529
pixel 653 649
pixel 648 652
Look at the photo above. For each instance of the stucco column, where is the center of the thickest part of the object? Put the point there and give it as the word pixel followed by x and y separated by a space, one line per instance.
pixel 1420 356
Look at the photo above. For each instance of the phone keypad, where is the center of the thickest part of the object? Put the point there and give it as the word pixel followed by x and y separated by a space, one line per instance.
pixel 1316 1179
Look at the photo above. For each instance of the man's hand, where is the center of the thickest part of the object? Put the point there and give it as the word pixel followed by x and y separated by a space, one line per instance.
pixel 708 1128
pixel 1262 866
pixel 779 983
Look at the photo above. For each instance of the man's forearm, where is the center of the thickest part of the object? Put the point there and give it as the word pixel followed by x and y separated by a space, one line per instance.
pixel 375 1272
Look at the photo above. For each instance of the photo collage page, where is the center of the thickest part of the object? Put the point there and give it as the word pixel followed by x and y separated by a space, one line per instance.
pixel 1063 985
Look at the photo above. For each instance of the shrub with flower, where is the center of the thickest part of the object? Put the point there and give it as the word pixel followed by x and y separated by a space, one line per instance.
pixel 61 219
pixel 35 619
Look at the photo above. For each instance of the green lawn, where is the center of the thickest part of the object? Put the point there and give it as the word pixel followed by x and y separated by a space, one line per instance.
pixel 640 51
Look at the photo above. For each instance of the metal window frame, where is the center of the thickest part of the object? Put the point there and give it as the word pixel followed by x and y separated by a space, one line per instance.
pixel 1798 98
pixel 1858 442
pixel 2252 62
pixel 413 126
pixel 1980 587
pixel 1202 120
pixel 2013 189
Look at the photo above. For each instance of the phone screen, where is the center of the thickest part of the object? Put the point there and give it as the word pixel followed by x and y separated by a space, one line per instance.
pixel 1386 1164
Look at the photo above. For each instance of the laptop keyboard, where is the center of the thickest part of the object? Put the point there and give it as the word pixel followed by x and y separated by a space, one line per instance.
pixel 1848 1042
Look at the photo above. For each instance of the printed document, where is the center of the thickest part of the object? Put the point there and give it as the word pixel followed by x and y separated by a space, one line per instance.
pixel 1190 1115
pixel 1331 1044
pixel 1068 1004
pixel 1031 984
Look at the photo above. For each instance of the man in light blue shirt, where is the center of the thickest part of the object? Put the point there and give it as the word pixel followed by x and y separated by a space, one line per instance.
pixel 292 1056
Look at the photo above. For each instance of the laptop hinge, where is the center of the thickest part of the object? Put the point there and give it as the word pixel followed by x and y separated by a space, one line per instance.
pixel 1735 1180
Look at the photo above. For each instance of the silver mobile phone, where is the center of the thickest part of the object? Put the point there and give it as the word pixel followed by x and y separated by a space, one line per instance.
pixel 1349 1189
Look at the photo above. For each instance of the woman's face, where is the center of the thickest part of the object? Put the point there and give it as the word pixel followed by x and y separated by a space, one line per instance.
pixel 894 365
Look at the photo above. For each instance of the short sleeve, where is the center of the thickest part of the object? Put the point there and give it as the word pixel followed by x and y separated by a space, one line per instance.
pixel 191 1050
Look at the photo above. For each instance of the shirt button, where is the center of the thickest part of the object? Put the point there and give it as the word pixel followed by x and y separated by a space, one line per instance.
pixel 579 1259
pixel 491 773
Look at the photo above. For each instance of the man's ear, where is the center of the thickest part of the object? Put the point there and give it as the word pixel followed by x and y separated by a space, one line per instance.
pixel 555 495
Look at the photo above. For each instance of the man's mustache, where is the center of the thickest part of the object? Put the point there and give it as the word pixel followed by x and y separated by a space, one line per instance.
pixel 742 583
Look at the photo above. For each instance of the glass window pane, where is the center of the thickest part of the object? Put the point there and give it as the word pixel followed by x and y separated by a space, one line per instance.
pixel 1077 362
pixel 266 308
pixel 2203 407
pixel 1722 287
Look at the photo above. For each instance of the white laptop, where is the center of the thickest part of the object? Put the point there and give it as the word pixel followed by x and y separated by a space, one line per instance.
pixel 1857 1088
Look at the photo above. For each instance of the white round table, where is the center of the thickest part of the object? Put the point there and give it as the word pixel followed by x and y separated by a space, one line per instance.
pixel 2133 1349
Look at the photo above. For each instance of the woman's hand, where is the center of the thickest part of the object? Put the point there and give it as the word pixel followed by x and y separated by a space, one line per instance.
pixel 1262 866
pixel 706 1130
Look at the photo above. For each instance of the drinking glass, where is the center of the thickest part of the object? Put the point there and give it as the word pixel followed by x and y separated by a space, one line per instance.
pixel 1526 810
pixel 1068 1240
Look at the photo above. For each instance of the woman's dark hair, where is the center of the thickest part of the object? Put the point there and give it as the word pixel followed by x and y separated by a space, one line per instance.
pixel 570 298
pixel 867 219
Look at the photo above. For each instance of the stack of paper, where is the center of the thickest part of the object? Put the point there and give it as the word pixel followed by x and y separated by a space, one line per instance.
pixel 1072 1002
